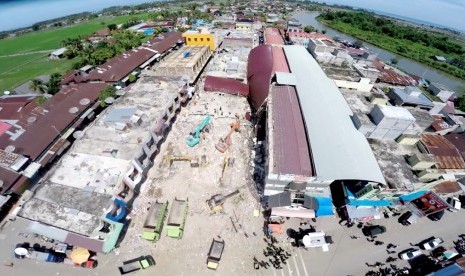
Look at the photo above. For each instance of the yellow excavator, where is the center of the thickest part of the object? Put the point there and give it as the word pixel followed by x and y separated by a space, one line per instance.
pixel 215 203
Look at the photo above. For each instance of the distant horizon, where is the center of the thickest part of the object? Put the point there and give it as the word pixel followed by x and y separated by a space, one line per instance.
pixel 451 16
pixel 16 14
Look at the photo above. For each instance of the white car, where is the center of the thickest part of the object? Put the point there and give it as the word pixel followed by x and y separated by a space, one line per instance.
pixel 431 243
pixel 410 254
pixel 454 203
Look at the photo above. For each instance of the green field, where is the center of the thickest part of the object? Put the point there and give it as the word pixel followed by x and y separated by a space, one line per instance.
pixel 15 70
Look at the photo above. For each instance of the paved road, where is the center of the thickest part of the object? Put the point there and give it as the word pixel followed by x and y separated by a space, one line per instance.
pixel 345 257
pixel 348 256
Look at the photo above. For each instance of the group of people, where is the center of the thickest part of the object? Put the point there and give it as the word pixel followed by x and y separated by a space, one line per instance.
pixel 277 255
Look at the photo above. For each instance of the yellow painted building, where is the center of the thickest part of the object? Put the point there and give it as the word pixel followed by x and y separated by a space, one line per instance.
pixel 202 37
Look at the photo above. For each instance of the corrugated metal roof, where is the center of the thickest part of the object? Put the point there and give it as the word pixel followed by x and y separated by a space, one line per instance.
pixel 290 149
pixel 226 85
pixel 91 244
pixel 279 60
pixel 339 150
pixel 45 123
pixel 9 178
pixel 447 156
pixel 259 69
pixel 273 37
pixel 458 140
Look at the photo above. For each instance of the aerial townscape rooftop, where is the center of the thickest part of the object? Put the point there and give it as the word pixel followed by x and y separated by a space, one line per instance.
pixel 236 137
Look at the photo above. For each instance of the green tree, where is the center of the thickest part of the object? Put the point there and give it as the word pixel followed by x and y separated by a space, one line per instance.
pixel 358 44
pixel 110 91
pixel 309 29
pixel 112 27
pixel 40 100
pixel 53 84
pixel 35 27
pixel 461 103
pixel 38 85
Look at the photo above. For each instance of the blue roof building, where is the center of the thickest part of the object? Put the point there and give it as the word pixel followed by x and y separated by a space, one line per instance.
pixel 410 96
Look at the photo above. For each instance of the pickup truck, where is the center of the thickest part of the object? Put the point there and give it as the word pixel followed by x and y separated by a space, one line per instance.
pixel 142 262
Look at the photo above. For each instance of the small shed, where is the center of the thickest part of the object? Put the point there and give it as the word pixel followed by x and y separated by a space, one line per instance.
pixel 58 54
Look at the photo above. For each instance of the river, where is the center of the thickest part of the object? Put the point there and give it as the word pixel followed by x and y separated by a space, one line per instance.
pixel 405 64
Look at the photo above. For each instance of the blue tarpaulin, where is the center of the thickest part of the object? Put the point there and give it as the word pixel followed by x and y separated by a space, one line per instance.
pixel 325 207
pixel 412 196
pixel 371 203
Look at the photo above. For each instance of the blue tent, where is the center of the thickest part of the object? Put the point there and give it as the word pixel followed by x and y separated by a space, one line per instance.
pixel 325 207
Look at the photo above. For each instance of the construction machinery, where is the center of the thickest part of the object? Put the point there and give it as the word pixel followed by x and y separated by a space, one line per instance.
pixel 215 203
pixel 153 224
pixel 177 218
pixel 194 161
pixel 226 173
pixel 224 143
pixel 215 253
pixel 194 137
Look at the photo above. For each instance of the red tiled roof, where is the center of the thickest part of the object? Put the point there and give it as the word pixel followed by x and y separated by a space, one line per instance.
pixel 279 60
pixel 44 123
pixel 447 156
pixel 11 107
pixel 259 70
pixel 458 140
pixel 392 77
pixel 226 85
pixel 291 153
pixel 103 32
pixel 439 123
pixel 9 178
pixel 164 42
pixel 272 37
pixel 120 66
pixel 4 127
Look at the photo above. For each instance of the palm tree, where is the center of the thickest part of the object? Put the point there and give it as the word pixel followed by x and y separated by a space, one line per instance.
pixel 38 85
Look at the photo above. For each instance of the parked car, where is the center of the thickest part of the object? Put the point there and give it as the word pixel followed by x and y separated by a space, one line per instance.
pixel 454 203
pixel 436 216
pixel 431 243
pixel 462 200
pixel 373 230
pixel 408 218
pixel 410 254
pixel 142 262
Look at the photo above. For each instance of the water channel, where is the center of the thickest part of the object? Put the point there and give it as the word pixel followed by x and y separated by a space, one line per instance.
pixel 405 64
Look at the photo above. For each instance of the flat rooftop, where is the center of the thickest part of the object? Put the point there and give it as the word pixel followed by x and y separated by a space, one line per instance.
pixel 390 157
pixel 230 64
pixel 98 160
pixel 187 56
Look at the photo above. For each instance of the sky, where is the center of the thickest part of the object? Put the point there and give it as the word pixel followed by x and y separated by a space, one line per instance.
pixel 23 13
pixel 449 13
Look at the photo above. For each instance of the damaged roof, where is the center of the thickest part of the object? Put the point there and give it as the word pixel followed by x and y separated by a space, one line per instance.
pixel 226 85
pixel 259 70
pixel 446 154
pixel 291 153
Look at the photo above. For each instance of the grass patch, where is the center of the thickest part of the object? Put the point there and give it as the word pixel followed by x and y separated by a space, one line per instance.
pixel 27 71
pixel 15 70
pixel 51 39
pixel 402 47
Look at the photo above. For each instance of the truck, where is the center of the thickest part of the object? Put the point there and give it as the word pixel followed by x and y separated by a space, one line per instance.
pixel 316 239
pixel 153 224
pixel 142 262
pixel 214 254
pixel 177 218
